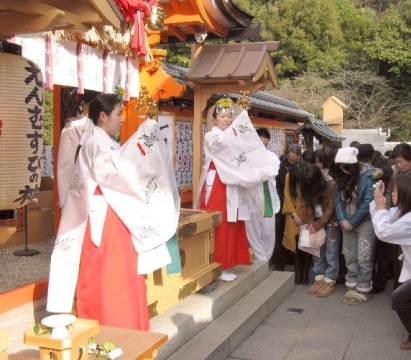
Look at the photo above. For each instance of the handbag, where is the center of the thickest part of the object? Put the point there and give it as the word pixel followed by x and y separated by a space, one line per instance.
pixel 311 243
pixel 318 239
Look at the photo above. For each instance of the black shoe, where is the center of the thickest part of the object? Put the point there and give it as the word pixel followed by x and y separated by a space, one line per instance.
pixel 279 267
pixel 305 278
pixel 297 279
pixel 377 290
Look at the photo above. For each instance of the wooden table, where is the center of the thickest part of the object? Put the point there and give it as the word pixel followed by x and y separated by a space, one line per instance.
pixel 5 356
pixel 136 345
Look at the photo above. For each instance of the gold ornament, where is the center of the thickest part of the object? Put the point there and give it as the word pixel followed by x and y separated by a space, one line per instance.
pixel 244 101
pixel 145 103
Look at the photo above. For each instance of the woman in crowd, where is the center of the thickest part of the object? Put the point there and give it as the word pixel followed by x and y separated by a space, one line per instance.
pixel 389 253
pixel 326 266
pixel 235 165
pixel 121 208
pixel 304 187
pixel 394 226
pixel 353 195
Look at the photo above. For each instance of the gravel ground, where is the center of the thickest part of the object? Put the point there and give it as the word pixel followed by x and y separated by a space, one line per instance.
pixel 20 270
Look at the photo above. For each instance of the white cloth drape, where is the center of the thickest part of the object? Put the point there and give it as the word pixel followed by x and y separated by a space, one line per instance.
pixel 137 181
pixel 242 164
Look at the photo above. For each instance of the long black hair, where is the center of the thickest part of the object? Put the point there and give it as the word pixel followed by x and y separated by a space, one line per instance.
pixel 102 102
pixel 347 183
pixel 311 182
pixel 402 184
pixel 323 158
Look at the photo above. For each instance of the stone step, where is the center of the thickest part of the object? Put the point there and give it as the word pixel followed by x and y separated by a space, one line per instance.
pixel 16 321
pixel 205 325
pixel 209 325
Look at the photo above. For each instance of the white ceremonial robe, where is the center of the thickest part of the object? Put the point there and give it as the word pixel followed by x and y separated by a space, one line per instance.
pixel 69 140
pixel 242 164
pixel 138 182
pixel 391 229
pixel 260 229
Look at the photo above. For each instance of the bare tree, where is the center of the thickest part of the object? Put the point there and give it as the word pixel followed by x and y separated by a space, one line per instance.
pixel 370 100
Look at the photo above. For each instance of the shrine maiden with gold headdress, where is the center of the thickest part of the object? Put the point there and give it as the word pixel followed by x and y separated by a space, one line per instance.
pixel 235 166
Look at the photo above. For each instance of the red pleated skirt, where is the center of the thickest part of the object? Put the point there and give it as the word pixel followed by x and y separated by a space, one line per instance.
pixel 230 238
pixel 108 288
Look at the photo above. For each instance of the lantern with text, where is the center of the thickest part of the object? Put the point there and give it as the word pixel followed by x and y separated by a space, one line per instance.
pixel 21 130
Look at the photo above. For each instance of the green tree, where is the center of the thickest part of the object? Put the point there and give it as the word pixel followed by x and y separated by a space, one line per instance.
pixel 390 47
pixel 179 55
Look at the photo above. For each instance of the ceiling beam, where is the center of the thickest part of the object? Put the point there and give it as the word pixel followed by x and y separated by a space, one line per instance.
pixel 19 23
pixel 26 7
pixel 172 30
pixel 85 12
pixel 178 19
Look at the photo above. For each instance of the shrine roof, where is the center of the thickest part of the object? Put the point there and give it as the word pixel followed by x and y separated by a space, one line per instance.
pixel 243 63
pixel 320 128
pixel 265 101
pixel 27 16
pixel 259 100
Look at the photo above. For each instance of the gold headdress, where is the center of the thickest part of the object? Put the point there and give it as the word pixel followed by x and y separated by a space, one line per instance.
pixel 224 104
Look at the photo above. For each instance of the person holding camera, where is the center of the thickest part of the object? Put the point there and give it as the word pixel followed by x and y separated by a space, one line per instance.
pixel 394 226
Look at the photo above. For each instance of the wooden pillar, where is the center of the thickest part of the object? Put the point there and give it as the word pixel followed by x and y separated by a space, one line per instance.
pixel 197 126
pixel 197 139
pixel 56 143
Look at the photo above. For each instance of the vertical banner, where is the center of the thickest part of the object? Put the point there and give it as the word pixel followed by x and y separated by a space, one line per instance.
pixel 128 71
pixel 80 74
pixel 106 89
pixel 49 64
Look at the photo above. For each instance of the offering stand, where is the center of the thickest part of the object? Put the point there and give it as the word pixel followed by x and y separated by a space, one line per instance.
pixel 195 233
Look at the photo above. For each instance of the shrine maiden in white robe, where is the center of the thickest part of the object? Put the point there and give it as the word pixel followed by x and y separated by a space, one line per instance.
pixel 69 140
pixel 242 164
pixel 138 182
pixel 261 229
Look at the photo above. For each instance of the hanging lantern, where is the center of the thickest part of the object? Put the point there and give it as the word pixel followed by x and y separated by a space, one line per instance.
pixel 21 130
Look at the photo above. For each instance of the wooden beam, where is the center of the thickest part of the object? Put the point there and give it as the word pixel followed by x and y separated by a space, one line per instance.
pixel 85 12
pixel 19 23
pixel 191 29
pixel 25 7
pixel 164 38
pixel 229 88
pixel 172 30
pixel 178 19
pixel 175 6
pixel 111 15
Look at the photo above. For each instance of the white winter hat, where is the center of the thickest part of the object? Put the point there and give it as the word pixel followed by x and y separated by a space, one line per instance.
pixel 346 155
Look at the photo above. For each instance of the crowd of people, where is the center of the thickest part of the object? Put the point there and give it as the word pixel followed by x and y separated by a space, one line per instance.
pixel 343 213
pixel 363 203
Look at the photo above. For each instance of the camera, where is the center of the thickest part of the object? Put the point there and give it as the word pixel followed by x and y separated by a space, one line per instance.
pixel 377 185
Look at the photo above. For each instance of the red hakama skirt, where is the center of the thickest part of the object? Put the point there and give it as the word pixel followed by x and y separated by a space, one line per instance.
pixel 108 288
pixel 230 238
